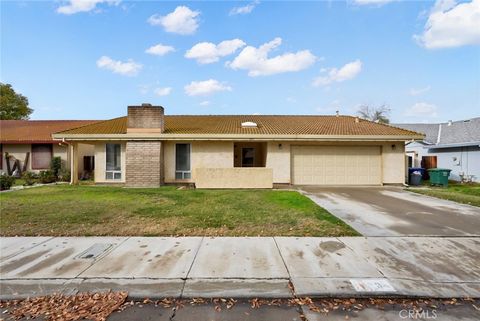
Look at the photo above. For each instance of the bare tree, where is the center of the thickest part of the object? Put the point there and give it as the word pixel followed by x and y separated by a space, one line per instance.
pixel 380 114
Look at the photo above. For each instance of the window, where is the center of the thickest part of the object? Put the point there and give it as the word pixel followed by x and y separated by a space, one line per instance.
pixel 113 165
pixel 41 156
pixel 248 157
pixel 182 161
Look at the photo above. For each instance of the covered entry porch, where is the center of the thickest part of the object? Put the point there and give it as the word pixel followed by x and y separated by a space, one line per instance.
pixel 248 171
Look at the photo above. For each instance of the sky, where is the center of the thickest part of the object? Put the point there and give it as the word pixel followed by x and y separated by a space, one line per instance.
pixel 91 59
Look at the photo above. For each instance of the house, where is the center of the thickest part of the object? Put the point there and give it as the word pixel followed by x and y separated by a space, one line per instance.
pixel 148 148
pixel 27 145
pixel 454 145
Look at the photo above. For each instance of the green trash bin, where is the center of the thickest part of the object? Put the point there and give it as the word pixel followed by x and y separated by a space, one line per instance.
pixel 439 176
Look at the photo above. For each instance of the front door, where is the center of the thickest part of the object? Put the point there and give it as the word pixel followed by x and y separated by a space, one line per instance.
pixel 248 157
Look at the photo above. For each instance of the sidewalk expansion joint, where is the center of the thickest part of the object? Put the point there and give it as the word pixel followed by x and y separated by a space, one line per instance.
pixel 191 266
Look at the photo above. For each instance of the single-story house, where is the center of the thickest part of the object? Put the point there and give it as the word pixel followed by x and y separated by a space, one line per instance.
pixel 27 145
pixel 454 145
pixel 148 148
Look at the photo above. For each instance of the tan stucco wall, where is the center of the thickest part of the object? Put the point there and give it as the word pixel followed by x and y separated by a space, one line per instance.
pixel 278 159
pixel 219 154
pixel 393 163
pixel 20 150
pixel 236 177
pixel 100 162
pixel 204 155
pixel 62 151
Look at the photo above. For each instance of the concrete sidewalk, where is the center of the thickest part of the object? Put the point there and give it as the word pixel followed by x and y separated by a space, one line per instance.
pixel 157 267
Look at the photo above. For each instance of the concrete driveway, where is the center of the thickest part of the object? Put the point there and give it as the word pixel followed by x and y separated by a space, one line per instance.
pixel 392 211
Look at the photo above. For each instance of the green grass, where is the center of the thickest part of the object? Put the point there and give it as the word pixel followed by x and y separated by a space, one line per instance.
pixel 462 193
pixel 65 210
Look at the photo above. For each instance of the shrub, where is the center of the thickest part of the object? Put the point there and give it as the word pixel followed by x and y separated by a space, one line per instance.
pixel 64 175
pixel 56 165
pixel 47 177
pixel 6 182
pixel 30 178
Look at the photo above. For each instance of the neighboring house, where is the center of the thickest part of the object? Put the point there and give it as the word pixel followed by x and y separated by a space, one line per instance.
pixel 29 144
pixel 454 145
pixel 148 148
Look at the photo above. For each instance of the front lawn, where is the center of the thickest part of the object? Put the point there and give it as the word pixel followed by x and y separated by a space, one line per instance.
pixel 462 193
pixel 64 210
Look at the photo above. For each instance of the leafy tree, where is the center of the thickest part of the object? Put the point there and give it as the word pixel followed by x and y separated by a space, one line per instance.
pixel 380 114
pixel 13 105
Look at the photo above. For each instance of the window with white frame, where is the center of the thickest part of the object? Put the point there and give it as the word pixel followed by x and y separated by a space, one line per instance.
pixel 113 162
pixel 182 161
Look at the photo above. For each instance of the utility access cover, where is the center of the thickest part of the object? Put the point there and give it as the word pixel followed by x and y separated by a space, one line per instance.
pixel 372 285
pixel 95 251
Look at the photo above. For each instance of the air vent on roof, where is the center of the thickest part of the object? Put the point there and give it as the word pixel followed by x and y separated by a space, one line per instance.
pixel 249 124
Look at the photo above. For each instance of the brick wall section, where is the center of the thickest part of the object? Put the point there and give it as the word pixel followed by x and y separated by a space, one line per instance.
pixel 145 116
pixel 144 163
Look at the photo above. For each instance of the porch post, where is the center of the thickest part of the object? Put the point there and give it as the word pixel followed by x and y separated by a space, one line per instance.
pixel 74 164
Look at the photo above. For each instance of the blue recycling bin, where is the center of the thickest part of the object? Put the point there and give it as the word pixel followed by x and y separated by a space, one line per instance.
pixel 415 179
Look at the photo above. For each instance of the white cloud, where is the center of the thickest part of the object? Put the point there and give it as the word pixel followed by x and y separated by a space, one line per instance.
pixel 76 6
pixel 257 62
pixel 160 50
pixel 418 91
pixel 451 25
pixel 144 89
pixel 347 72
pixel 245 9
pixel 421 110
pixel 162 91
pixel 207 87
pixel 182 21
pixel 372 2
pixel 207 52
pixel 205 103
pixel 128 68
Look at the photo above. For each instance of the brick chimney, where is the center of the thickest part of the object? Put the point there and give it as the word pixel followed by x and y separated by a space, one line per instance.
pixel 145 119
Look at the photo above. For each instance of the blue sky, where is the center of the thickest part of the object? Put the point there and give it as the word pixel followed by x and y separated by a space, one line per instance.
pixel 90 59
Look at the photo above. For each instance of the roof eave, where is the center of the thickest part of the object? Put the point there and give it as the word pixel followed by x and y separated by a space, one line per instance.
pixel 26 142
pixel 272 137
pixel 468 144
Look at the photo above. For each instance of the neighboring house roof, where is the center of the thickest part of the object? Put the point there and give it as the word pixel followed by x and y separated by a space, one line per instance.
pixel 449 134
pixel 266 125
pixel 430 131
pixel 35 131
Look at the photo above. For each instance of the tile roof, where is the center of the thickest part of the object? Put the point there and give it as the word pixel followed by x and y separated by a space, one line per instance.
pixel 267 125
pixel 455 133
pixel 35 131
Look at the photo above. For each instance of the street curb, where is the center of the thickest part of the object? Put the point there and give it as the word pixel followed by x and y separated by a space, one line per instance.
pixel 171 288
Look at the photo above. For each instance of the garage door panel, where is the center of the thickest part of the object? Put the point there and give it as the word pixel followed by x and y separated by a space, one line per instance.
pixel 336 165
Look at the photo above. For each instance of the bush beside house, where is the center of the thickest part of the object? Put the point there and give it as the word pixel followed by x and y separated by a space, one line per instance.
pixel 56 173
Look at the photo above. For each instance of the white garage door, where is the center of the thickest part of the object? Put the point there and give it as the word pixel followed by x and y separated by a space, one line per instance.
pixel 336 165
